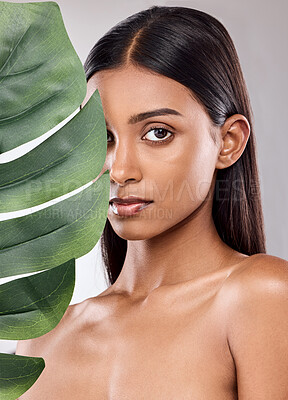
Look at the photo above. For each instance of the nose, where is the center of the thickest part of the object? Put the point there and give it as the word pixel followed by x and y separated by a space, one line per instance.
pixel 124 164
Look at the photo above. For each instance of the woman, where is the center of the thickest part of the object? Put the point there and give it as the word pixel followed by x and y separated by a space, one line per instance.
pixel 195 308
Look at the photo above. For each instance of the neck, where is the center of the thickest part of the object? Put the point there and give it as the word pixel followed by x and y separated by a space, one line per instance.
pixel 188 251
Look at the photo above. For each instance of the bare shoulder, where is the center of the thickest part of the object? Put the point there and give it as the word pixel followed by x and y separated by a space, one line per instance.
pixel 256 312
pixel 260 279
pixel 60 348
pixel 36 346
pixel 75 320
pixel 259 274
pixel 254 286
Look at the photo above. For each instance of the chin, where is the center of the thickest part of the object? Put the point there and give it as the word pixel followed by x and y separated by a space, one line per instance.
pixel 136 229
pixel 134 234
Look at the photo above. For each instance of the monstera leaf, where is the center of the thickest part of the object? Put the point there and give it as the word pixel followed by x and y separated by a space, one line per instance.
pixel 41 80
pixel 42 84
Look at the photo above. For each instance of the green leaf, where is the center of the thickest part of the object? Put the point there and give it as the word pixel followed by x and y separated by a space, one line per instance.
pixel 18 374
pixel 33 305
pixel 42 80
pixel 54 235
pixel 67 160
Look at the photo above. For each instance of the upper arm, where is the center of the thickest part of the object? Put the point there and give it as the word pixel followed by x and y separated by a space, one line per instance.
pixel 258 331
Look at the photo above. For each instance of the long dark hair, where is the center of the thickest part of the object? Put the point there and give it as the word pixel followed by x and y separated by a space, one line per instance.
pixel 194 49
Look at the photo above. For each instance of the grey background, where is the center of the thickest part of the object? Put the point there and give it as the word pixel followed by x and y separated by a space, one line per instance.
pixel 259 30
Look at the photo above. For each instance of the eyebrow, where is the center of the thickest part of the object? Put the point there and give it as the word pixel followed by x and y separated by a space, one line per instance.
pixel 134 119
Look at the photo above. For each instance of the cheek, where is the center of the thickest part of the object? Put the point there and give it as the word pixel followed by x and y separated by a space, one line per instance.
pixel 188 175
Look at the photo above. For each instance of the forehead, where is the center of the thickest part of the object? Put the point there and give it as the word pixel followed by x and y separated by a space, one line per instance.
pixel 138 89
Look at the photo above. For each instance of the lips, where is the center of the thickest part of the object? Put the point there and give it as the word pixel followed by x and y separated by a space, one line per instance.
pixel 129 200
pixel 128 206
pixel 128 209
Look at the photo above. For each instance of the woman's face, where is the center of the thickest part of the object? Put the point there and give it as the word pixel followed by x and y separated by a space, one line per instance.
pixel 168 159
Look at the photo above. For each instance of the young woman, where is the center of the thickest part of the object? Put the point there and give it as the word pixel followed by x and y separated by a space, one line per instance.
pixel 195 308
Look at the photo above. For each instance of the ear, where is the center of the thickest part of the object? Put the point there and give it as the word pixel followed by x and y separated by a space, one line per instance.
pixel 235 133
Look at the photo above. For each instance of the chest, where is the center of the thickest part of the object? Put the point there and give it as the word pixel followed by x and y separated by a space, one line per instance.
pixel 151 352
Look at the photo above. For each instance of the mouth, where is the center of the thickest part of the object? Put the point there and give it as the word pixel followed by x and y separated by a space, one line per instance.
pixel 128 208
pixel 128 200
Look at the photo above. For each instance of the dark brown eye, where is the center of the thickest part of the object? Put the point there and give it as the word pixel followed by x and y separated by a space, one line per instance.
pixel 159 133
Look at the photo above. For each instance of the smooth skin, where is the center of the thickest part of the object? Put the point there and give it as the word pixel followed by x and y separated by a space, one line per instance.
pixel 188 318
